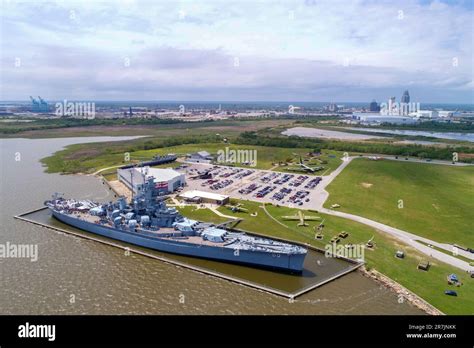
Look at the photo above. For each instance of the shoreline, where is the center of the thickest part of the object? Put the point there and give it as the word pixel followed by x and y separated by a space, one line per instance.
pixel 401 291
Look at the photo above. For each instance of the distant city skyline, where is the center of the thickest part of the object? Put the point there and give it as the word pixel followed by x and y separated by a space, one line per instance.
pixel 223 102
pixel 243 51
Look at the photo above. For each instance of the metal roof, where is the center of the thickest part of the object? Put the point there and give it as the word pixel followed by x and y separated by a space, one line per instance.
pixel 202 194
pixel 160 174
pixel 203 153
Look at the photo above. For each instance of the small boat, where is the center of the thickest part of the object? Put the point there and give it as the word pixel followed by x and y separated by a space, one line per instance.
pixel 451 293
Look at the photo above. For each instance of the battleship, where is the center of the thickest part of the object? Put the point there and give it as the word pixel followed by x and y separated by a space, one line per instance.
pixel 148 222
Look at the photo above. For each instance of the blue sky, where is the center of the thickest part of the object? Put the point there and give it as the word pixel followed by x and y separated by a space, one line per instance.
pixel 306 50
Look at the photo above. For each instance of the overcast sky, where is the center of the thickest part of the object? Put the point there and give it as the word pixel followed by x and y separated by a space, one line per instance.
pixel 305 50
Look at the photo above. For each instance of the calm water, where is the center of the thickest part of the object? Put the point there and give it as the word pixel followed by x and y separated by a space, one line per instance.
pixel 105 281
pixel 440 135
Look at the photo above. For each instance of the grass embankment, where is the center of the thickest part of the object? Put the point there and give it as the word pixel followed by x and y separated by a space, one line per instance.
pixel 437 201
pixel 429 285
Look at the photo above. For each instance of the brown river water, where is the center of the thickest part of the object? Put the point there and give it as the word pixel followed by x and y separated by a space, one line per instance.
pixel 77 276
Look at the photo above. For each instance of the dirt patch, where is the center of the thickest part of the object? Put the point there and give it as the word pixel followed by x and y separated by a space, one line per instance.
pixel 366 184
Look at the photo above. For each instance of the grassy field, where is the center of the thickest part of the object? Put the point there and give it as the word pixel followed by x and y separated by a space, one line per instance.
pixel 267 157
pixel 429 285
pixel 201 214
pixel 63 128
pixel 438 200
pixel 88 158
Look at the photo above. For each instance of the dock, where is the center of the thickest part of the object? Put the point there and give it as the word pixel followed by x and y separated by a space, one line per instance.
pixel 262 287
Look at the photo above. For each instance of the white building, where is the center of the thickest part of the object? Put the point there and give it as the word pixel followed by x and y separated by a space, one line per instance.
pixel 204 197
pixel 426 114
pixel 166 180
pixel 371 118
pixel 445 114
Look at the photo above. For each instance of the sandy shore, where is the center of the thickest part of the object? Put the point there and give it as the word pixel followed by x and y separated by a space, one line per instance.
pixel 327 134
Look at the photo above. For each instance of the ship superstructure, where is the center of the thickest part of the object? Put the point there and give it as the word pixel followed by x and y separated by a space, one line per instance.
pixel 147 221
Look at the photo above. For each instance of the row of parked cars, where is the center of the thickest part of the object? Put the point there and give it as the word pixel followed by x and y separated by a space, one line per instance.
pixel 244 173
pixel 229 174
pixel 298 197
pixel 285 178
pixel 248 189
pixel 281 194
pixel 313 183
pixel 269 177
pixel 209 182
pixel 265 191
pixel 221 184
pixel 298 181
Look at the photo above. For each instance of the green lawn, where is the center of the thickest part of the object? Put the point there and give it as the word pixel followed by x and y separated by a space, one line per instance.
pixel 201 214
pixel 428 285
pixel 88 158
pixel 438 200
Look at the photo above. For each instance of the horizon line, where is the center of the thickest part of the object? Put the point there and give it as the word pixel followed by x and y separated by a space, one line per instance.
pixel 222 101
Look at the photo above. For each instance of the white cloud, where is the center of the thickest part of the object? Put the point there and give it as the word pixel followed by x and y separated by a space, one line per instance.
pixel 290 47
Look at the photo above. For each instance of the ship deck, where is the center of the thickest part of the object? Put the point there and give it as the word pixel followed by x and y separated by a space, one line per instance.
pixel 163 232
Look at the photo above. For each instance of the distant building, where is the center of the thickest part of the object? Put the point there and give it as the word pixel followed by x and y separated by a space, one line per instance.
pixel 371 118
pixel 391 105
pixel 405 97
pixel 333 107
pixel 166 180
pixel 196 196
pixel 374 107
pixel 427 114
pixel 39 106
pixel 444 113
pixel 200 157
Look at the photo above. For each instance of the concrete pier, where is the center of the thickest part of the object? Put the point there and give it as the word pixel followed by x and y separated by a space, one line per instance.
pixel 133 249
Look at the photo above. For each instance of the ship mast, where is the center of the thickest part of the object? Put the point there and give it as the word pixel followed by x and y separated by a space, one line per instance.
pixel 131 180
pixel 144 172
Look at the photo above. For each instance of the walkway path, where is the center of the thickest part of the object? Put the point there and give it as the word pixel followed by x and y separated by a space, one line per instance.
pixel 272 217
pixel 104 169
pixel 404 236
pixel 217 212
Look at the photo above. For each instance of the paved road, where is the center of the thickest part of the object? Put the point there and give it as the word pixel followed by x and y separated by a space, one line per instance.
pixel 404 236
pixel 407 238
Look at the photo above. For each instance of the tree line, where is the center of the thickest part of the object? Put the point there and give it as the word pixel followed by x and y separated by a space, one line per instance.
pixel 413 150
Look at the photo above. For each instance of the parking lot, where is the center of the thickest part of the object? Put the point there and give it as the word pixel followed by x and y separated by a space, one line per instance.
pixel 288 189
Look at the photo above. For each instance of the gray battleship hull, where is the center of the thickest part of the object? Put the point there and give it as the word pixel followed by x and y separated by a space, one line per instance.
pixel 286 262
